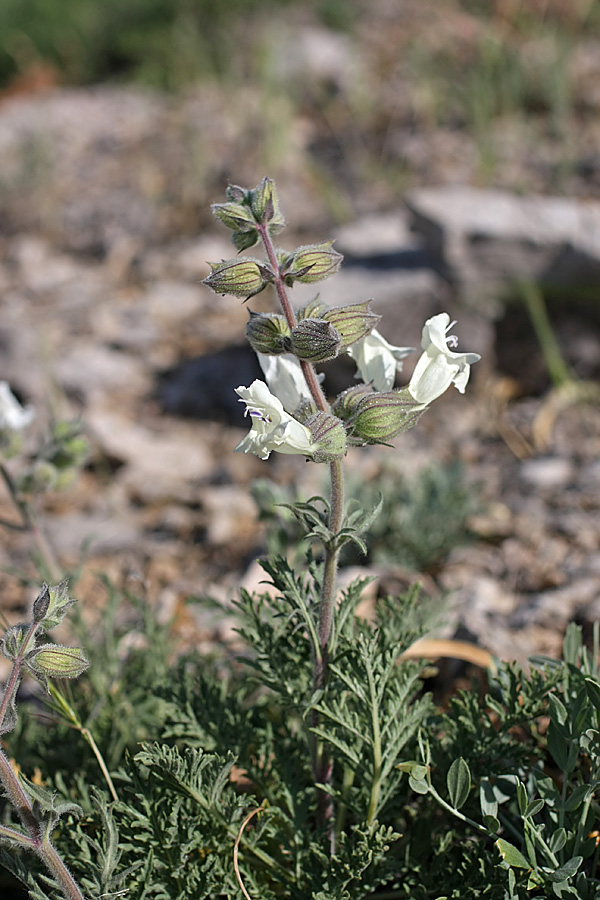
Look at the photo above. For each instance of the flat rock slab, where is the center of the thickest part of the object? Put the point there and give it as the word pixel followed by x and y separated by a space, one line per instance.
pixel 486 240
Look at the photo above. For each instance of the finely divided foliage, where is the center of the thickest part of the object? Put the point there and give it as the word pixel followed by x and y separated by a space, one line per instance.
pixel 304 760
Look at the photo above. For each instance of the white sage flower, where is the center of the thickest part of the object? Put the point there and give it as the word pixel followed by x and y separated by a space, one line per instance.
pixel 13 416
pixel 377 360
pixel 285 379
pixel 272 428
pixel 439 366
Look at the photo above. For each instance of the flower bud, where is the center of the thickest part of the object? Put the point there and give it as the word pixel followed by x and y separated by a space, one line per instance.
pixel 242 277
pixel 57 607
pixel 239 218
pixel 13 640
pixel 236 216
pixel 267 333
pixel 55 661
pixel 381 416
pixel 41 604
pixel 71 453
pixel 312 310
pixel 41 476
pixel 265 205
pixel 315 340
pixel 328 436
pixel 346 403
pixel 353 322
pixel 311 263
pixel 235 193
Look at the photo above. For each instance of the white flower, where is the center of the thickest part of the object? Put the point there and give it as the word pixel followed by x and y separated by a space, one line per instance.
pixel 272 428
pixel 285 378
pixel 377 360
pixel 13 416
pixel 439 367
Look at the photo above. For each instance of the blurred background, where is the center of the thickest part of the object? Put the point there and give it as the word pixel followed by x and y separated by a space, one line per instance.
pixel 353 101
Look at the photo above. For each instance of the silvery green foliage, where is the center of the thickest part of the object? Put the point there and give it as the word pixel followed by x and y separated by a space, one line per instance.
pixel 179 807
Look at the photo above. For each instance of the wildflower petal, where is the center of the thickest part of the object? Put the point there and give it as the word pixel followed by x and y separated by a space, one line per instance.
pixel 273 429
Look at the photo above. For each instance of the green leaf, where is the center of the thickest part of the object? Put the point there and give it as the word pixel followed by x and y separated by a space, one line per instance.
pixel 572 643
pixel 487 799
pixel 558 710
pixel 491 823
pixel 576 797
pixel 521 797
pixel 418 785
pixel 567 870
pixel 557 746
pixel 533 808
pixel 458 782
pixel 593 691
pixel 511 855
pixel 558 840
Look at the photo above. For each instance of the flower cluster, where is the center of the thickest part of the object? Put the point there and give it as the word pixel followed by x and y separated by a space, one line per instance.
pixel 288 415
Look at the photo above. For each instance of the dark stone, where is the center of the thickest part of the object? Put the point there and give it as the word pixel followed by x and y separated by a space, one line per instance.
pixel 204 387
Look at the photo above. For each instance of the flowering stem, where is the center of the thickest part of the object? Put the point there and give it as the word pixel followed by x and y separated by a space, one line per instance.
pixel 321 763
pixel 323 766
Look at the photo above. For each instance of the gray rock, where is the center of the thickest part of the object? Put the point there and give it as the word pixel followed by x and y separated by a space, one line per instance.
pixel 377 235
pixel 403 297
pixel 485 240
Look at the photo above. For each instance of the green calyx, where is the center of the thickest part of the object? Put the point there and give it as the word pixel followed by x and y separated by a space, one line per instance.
pixel 315 340
pixel 353 322
pixel 267 333
pixel 55 661
pixel 311 263
pixel 329 437
pixel 379 417
pixel 241 277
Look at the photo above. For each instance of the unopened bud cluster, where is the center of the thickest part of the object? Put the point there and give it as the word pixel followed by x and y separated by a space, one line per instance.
pixel 286 416
pixel 246 211
pixel 45 660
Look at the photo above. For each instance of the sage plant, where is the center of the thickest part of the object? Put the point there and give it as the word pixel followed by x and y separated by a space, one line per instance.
pixel 291 413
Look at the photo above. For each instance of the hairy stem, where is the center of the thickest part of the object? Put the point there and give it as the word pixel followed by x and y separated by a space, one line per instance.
pixel 15 673
pixel 37 840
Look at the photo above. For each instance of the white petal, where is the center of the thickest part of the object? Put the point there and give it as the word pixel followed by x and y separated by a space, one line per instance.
pixel 433 376
pixel 285 378
pixel 272 427
pixel 13 416
pixel 377 360
pixel 439 366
